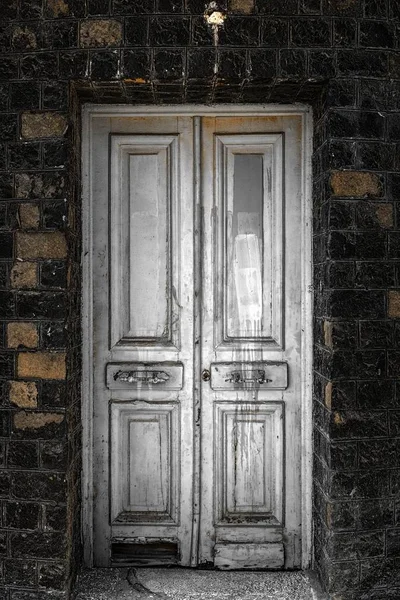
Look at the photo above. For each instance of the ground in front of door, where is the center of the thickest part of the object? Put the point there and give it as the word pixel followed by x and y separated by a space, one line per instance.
pixel 190 584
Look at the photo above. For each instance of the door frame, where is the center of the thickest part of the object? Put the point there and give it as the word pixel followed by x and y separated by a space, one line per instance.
pixel 243 110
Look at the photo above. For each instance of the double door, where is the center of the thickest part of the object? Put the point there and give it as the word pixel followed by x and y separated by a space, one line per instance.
pixel 196 340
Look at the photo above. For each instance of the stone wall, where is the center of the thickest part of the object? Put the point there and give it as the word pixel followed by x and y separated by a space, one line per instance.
pixel 340 56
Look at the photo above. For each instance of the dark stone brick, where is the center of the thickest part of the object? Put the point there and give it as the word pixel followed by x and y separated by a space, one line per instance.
pixel 21 515
pixel 170 6
pixel 39 486
pixel 240 31
pixel 8 68
pixel 73 64
pixel 7 304
pixel 20 573
pixel 274 32
pixel 8 127
pixel 55 517
pixel 310 32
pixel 263 64
pixel 37 545
pixel 52 575
pixel 357 304
pixel 202 34
pixel 169 64
pixel 343 395
pixel 104 64
pixel 201 63
pixel 375 275
pixel 52 335
pixel 24 156
pixel 342 245
pixel 293 64
pixel 376 334
pixel 54 154
pixel 376 35
pixel 312 7
pixel 277 7
pixel 341 7
pixel 358 545
pixel 24 96
pixel 376 156
pixel 393 542
pixel 6 245
pixel 137 31
pixel 7 372
pixel 127 7
pixel 43 65
pixel 394 245
pixel 344 33
pixel 355 124
pixel 60 34
pixel 31 305
pixel 5 484
pixel 375 8
pixel 321 64
pixel 169 31
pixel 53 456
pixel 136 64
pixel 361 63
pixel 341 275
pixel 98 7
pixel 341 215
pixel 22 455
pixel 6 186
pixel 53 274
pixel 54 394
pixel 55 213
pixel 55 95
pixel 375 454
pixel 341 154
pixel 231 65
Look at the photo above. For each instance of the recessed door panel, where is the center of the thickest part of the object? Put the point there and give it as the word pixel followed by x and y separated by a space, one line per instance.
pixel 196 340
pixel 143 182
pixel 145 463
pixel 249 181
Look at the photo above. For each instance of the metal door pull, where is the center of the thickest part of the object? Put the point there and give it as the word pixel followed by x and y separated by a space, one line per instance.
pixel 141 376
pixel 240 377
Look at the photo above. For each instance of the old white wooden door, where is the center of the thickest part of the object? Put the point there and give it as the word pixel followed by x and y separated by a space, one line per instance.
pixel 195 354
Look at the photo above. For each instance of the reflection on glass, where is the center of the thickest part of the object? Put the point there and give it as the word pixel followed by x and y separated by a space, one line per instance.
pixel 245 238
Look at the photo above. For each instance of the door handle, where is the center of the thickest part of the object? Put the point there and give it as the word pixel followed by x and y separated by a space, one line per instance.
pixel 141 376
pixel 237 377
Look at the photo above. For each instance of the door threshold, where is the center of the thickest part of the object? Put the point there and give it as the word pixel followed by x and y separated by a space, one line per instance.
pixel 183 583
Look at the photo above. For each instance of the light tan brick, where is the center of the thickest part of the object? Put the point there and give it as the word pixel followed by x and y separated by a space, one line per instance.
pixel 58 7
pixel 23 394
pixel 328 394
pixel 36 420
pixel 24 38
pixel 355 183
pixel 328 328
pixel 29 216
pixel 384 215
pixel 100 33
pixel 24 275
pixel 22 334
pixel 245 7
pixel 43 125
pixel 51 244
pixel 41 365
pixel 394 304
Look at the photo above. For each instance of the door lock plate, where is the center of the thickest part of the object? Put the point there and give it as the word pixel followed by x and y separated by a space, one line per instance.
pixel 267 375
pixel 163 375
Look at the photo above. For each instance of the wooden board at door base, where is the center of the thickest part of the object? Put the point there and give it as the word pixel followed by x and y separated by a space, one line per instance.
pixel 195 262
pixel 249 556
